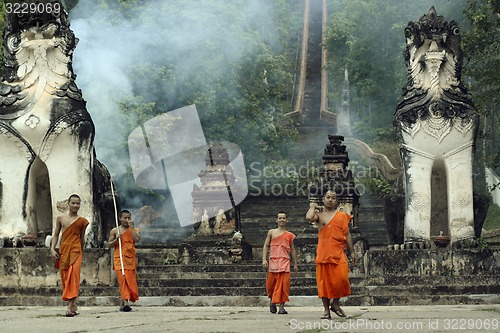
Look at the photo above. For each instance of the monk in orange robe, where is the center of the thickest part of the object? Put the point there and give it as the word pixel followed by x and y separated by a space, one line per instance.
pixel 69 258
pixel 278 276
pixel 125 236
pixel 331 261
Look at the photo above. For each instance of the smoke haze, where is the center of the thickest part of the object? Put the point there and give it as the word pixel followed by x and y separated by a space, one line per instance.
pixel 112 46
pixel 116 48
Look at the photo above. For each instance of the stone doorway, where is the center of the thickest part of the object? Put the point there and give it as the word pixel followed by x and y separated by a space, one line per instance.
pixel 439 199
pixel 39 201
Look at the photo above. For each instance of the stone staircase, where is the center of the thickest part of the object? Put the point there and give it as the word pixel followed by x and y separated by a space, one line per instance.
pixel 424 277
pixel 372 221
pixel 258 215
pixel 407 277
pixel 246 279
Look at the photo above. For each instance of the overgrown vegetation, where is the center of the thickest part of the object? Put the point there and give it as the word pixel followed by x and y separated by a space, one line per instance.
pixel 492 220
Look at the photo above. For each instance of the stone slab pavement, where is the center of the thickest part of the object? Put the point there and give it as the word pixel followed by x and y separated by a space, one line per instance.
pixel 147 319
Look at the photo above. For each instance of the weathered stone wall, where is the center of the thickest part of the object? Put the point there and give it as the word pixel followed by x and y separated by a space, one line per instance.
pixel 33 267
pixel 430 263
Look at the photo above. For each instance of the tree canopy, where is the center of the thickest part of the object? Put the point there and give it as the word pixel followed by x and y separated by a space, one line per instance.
pixel 482 50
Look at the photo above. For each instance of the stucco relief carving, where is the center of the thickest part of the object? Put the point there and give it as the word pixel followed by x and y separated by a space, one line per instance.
pixel 39 102
pixel 436 122
pixel 461 198
pixel 419 200
pixel 437 127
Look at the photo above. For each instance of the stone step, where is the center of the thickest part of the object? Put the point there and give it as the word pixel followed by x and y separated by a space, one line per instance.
pixel 251 266
pixel 257 301
pixel 229 283
pixel 255 287
pixel 148 274
pixel 241 291
pixel 253 269
pixel 436 280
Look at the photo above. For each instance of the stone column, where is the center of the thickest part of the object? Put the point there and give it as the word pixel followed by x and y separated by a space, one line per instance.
pixel 417 178
pixel 460 204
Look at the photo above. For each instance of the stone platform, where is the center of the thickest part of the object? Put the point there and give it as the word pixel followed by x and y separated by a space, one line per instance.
pixel 382 277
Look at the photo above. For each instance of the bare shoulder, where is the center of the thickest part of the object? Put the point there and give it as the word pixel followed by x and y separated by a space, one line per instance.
pixel 63 219
pixel 323 217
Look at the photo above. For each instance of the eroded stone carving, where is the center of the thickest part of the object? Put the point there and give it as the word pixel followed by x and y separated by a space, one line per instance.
pixel 436 122
pixel 210 211
pixel 46 133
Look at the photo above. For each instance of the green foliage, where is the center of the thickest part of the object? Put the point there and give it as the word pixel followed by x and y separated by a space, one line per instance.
pixel 492 221
pixel 371 133
pixel 234 59
pixel 367 37
pixel 447 271
pixel 170 259
pixel 380 186
pixel 479 243
pixel 481 46
pixel 482 244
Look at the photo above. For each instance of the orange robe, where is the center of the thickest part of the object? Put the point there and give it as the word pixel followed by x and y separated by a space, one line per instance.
pixel 127 282
pixel 278 276
pixel 331 262
pixel 70 258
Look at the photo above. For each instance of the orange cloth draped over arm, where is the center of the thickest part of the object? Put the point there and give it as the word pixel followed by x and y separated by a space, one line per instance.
pixel 331 262
pixel 278 277
pixel 127 282
pixel 70 258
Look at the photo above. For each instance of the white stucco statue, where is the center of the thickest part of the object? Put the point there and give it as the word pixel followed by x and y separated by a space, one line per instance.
pixel 46 133
pixel 436 122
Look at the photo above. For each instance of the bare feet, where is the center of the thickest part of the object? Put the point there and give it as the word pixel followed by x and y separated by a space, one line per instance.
pixel 338 311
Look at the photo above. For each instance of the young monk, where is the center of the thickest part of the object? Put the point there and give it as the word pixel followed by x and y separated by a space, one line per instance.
pixel 331 262
pixel 73 228
pixel 126 278
pixel 278 276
